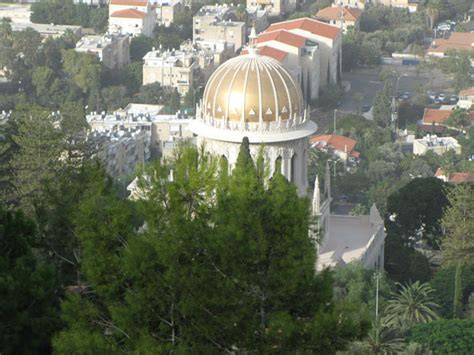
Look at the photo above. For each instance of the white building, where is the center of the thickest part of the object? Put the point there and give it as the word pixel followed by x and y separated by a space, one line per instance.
pixel 274 7
pixel 166 11
pixel 327 37
pixel 466 99
pixel 166 131
pixel 213 23
pixel 254 97
pixel 346 238
pixel 133 17
pixel 122 151
pixel 172 69
pixel 301 57
pixel 355 4
pixel 438 145
pixel 112 50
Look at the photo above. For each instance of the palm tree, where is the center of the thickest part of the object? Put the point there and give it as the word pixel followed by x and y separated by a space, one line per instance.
pixel 413 304
pixel 434 8
pixel 381 340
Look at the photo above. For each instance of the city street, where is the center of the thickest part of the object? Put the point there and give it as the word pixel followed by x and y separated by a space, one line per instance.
pixel 364 84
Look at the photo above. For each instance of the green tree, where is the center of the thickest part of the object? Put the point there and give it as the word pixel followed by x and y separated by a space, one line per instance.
pixel 458 243
pixel 445 336
pixel 37 147
pixel 382 110
pixel 414 212
pixel 413 304
pixel 83 69
pixel 457 63
pixel 247 241
pixel 29 304
pixel 443 282
pixel 458 118
pixel 139 46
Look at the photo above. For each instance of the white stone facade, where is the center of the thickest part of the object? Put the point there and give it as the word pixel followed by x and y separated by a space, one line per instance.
pixel 112 50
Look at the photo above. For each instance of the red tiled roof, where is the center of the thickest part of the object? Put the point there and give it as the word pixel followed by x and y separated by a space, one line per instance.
pixel 269 52
pixel 458 178
pixel 432 115
pixel 335 13
pixel 457 40
pixel 315 27
pixel 282 36
pixel 129 2
pixel 466 92
pixel 336 142
pixel 129 13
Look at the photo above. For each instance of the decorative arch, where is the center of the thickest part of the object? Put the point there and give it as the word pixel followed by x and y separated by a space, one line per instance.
pixel 278 164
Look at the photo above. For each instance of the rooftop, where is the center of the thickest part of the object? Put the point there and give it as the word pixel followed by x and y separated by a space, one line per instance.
pixel 306 24
pixel 457 40
pixel 466 92
pixel 349 238
pixel 129 13
pixel 269 52
pixel 282 36
pixel 432 115
pixel 334 141
pixel 338 12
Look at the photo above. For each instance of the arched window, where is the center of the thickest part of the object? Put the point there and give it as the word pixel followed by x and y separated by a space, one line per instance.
pixel 278 161
pixel 293 168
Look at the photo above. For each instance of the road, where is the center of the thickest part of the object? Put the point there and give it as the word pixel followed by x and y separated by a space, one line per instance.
pixel 364 84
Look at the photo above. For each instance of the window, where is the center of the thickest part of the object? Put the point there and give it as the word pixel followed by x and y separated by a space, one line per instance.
pixel 278 164
pixel 293 168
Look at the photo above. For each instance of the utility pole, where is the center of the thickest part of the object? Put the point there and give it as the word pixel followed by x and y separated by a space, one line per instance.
pixel 334 118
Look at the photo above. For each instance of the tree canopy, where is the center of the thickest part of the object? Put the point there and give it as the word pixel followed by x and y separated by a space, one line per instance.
pixel 222 262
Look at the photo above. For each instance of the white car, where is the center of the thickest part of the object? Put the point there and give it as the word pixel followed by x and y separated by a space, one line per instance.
pixel 444 27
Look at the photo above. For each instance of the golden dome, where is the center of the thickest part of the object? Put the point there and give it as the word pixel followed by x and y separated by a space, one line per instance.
pixel 252 88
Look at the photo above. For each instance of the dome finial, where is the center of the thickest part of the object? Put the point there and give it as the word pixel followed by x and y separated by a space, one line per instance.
pixel 253 40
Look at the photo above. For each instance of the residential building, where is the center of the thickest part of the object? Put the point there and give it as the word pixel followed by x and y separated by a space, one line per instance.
pixel 466 98
pixel 172 69
pixel 329 39
pixel 274 7
pixel 340 16
pixel 354 4
pixel 438 145
pixel 298 54
pixel 456 40
pixel 165 131
pixel 166 11
pixel 455 178
pixel 340 146
pixel 121 151
pixel 347 239
pixel 410 5
pixel 216 24
pixel 112 50
pixel 134 17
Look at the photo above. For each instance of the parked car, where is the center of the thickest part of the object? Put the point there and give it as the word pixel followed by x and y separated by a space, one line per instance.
pixel 444 27
pixel 431 95
pixel 441 96
pixel 438 101
pixel 366 108
pixel 454 99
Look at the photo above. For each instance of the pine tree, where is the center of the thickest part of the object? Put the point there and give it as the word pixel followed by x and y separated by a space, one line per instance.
pixel 458 244
pixel 217 266
pixel 458 302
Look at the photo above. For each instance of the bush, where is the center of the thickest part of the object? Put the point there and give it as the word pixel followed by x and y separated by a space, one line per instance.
pixel 445 336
